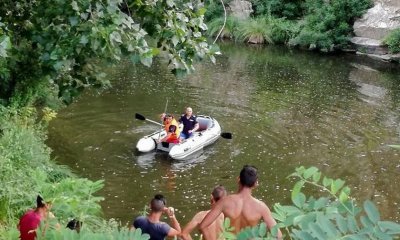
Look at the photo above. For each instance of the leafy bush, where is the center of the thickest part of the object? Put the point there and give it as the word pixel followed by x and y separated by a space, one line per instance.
pixel 255 30
pixel 214 9
pixel 283 30
pixel 52 45
pixel 229 31
pixel 393 41
pixel 289 9
pixel 26 170
pixel 329 23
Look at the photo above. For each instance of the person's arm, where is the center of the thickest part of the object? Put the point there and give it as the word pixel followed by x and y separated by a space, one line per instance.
pixel 212 215
pixel 162 117
pixel 175 226
pixel 196 127
pixel 191 225
pixel 269 220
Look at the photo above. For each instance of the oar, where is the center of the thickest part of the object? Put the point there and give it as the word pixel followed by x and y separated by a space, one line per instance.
pixel 226 135
pixel 141 117
pixel 162 120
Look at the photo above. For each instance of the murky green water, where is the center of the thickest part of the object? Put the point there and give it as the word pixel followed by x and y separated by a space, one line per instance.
pixel 285 109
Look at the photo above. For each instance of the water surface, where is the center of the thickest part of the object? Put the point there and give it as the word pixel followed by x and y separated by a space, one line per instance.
pixel 285 109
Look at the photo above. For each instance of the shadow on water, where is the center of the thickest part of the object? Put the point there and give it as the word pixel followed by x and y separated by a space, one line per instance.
pixel 285 108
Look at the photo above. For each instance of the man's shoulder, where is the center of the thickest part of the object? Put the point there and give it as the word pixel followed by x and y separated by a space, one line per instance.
pixel 140 219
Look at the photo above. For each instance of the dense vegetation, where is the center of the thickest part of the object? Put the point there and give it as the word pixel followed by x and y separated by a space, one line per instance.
pixel 393 41
pixel 52 47
pixel 315 24
pixel 51 50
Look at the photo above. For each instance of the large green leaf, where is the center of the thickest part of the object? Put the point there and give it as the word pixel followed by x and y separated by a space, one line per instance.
pixel 372 211
pixel 310 172
pixel 389 227
pixel 297 188
pixel 336 185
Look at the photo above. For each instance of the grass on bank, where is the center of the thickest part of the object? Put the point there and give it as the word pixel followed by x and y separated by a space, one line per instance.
pixel 393 41
pixel 26 170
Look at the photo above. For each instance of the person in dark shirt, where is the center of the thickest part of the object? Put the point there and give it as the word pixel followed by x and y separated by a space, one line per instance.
pixel 153 226
pixel 189 122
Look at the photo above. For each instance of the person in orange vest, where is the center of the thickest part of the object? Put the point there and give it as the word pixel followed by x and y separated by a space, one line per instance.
pixel 171 127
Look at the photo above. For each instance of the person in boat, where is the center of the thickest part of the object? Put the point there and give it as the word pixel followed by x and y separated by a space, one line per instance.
pixel 153 226
pixel 242 208
pixel 171 127
pixel 189 122
pixel 30 221
pixel 213 231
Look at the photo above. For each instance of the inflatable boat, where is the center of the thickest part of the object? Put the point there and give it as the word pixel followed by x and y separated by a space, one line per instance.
pixel 209 131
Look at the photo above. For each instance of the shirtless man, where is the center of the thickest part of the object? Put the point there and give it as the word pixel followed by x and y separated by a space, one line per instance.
pixel 214 229
pixel 242 208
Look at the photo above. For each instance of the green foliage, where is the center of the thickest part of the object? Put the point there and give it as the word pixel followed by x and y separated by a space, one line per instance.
pixel 227 230
pixel 393 41
pixel 27 170
pixel 283 30
pixel 229 31
pixel 328 24
pixel 290 9
pixel 177 28
pixel 214 9
pixel 49 231
pixel 256 30
pixel 335 215
pixel 54 45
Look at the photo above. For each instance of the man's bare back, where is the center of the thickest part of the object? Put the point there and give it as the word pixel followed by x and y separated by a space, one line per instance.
pixel 242 208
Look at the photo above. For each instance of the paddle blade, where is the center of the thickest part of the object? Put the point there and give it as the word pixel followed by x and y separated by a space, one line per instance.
pixel 226 135
pixel 139 116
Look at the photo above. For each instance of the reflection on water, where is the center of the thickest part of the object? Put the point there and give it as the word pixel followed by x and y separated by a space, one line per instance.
pixel 284 108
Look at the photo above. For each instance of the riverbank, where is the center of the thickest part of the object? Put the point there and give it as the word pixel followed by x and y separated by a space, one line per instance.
pixel 367 27
pixel 27 169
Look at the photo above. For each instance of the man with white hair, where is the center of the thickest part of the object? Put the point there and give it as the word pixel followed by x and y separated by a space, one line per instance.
pixel 189 122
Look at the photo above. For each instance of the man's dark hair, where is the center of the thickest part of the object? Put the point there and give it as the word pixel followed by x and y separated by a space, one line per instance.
pixel 40 202
pixel 158 203
pixel 218 192
pixel 74 225
pixel 248 176
pixel 172 128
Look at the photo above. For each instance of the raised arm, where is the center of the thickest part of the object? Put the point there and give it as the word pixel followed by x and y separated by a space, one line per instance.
pixel 175 226
pixel 212 215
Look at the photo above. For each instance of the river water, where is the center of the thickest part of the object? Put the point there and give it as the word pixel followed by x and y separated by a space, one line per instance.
pixel 285 109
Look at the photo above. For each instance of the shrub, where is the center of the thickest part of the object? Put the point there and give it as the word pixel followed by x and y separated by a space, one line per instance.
pixel 26 170
pixel 328 23
pixel 229 31
pixel 393 41
pixel 255 30
pixel 290 9
pixel 283 30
